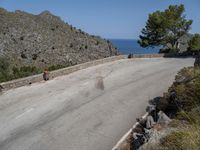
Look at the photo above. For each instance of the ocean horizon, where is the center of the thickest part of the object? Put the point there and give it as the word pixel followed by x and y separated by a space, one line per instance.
pixel 127 46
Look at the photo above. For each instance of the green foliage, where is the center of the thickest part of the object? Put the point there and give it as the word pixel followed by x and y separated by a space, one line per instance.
pixel 97 42
pixel 6 74
pixel 194 44
pixel 71 45
pixel 34 56
pixel 4 69
pixel 188 92
pixel 24 71
pixel 192 117
pixel 173 141
pixel 23 56
pixel 4 65
pixel 164 28
pixel 55 67
pixel 169 51
pixel 189 95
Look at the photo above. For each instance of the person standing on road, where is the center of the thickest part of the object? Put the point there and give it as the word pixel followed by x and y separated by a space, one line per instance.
pixel 46 75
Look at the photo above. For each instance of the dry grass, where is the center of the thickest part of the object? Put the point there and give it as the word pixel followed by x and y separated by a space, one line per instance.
pixel 187 137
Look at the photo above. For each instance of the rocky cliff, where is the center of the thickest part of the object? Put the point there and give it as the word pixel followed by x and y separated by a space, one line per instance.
pixel 45 40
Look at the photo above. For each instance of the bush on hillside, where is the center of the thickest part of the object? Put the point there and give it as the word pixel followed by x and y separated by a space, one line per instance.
pixel 6 74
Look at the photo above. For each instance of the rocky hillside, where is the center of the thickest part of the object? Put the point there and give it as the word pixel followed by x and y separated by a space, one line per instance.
pixel 45 40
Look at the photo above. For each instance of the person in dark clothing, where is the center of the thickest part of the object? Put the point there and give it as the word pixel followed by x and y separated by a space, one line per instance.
pixel 46 75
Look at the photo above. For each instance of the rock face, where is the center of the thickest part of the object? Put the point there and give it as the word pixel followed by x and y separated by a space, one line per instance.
pixel 45 40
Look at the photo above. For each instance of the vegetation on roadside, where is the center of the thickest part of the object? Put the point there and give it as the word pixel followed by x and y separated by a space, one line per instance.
pixel 186 100
pixel 186 138
pixel 55 67
pixel 8 73
pixel 194 44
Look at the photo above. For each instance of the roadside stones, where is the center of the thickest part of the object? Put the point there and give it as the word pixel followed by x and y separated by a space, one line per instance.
pixel 150 130
pixel 197 61
pixel 163 118
pixel 156 134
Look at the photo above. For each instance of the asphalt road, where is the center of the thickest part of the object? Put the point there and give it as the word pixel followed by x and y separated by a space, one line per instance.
pixel 90 109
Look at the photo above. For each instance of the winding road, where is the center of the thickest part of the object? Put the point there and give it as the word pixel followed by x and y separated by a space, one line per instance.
pixel 89 109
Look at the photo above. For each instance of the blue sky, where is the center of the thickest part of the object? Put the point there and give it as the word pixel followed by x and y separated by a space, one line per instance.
pixel 122 19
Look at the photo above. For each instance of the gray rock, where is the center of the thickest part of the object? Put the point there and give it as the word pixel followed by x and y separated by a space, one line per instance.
pixel 150 122
pixel 163 118
pixel 155 137
pixel 44 40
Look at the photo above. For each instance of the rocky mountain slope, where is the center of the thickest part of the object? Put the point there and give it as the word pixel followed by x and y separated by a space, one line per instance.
pixel 45 40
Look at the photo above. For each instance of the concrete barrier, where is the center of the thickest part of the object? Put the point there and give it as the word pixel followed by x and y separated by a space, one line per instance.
pixel 64 71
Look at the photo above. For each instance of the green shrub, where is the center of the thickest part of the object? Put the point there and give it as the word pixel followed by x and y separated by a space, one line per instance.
pixel 71 45
pixel 188 95
pixel 55 67
pixel 4 64
pixel 186 89
pixel 5 76
pixel 97 42
pixel 4 70
pixel 187 135
pixel 24 71
pixel 194 44
pixel 23 56
pixel 34 56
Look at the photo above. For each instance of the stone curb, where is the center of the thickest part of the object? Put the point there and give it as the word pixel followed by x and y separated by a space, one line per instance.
pixel 123 139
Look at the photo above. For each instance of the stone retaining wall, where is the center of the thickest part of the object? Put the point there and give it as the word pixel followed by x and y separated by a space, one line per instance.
pixel 37 78
pixel 147 55
pixel 68 70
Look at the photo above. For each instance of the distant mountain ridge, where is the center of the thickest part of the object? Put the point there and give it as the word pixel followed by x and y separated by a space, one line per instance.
pixel 45 40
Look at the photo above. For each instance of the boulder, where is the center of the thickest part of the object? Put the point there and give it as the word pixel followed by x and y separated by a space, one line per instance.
pixel 156 135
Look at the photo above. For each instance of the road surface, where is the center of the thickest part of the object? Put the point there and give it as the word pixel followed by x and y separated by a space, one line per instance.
pixel 89 109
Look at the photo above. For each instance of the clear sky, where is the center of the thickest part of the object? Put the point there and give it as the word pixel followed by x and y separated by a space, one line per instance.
pixel 122 19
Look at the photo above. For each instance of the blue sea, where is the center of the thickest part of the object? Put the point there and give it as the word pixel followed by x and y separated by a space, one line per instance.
pixel 131 46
